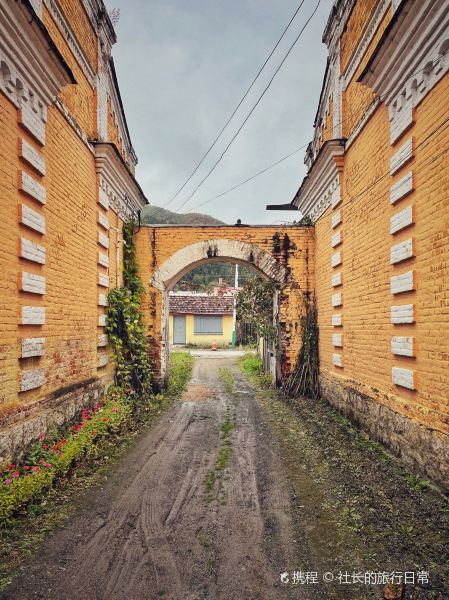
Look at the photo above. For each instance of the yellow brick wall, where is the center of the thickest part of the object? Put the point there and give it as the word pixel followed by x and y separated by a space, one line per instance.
pixel 155 245
pixel 81 26
pixel 353 30
pixel 80 99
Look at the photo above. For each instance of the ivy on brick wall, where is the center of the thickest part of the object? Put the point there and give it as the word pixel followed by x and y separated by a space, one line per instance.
pixel 125 327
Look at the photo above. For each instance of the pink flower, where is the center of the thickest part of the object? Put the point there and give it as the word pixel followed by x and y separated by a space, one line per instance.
pixel 41 436
pixel 34 469
pixel 26 468
pixel 16 474
pixel 7 481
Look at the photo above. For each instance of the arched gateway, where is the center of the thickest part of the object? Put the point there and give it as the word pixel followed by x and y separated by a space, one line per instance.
pixel 167 252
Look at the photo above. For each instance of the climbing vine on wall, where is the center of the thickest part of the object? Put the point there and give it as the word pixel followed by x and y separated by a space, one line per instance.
pixel 304 380
pixel 124 325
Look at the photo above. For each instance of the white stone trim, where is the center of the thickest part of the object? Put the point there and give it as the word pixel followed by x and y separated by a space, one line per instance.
pixel 32 219
pixel 102 340
pixel 336 239
pixel 34 284
pixel 28 185
pixel 401 188
pixel 401 219
pixel 403 377
pixel 102 320
pixel 103 240
pixel 33 122
pixel 31 379
pixel 336 219
pixel 32 347
pixel 336 279
pixel 337 360
pixel 337 320
pixel 402 251
pixel 103 199
pixel 102 220
pixel 31 156
pixel 403 313
pixel 337 299
pixel 102 360
pixel 400 124
pixel 103 280
pixel 402 345
pixel 402 283
pixel 33 315
pixel 336 259
pixel 337 340
pixel 103 259
pixel 102 300
pixel 402 156
pixel 32 251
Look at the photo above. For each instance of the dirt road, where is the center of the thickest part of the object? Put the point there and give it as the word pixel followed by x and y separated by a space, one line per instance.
pixel 233 488
pixel 200 509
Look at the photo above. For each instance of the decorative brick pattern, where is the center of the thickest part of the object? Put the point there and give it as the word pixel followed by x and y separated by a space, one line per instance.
pixel 102 300
pixel 336 279
pixel 402 121
pixel 402 156
pixel 102 359
pixel 32 157
pixel 401 220
pixel 337 320
pixel 403 313
pixel 402 283
pixel 33 123
pixel 401 251
pixel 337 339
pixel 337 360
pixel 336 219
pixel 33 315
pixel 402 345
pixel 103 221
pixel 103 199
pixel 337 299
pixel 336 239
pixel 32 219
pixel 102 320
pixel 32 251
pixel 33 347
pixel 102 340
pixel 336 259
pixel 401 188
pixel 103 240
pixel 103 259
pixel 103 280
pixel 31 379
pixel 34 284
pixel 403 377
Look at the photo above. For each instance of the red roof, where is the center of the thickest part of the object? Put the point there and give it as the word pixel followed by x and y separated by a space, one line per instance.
pixel 201 305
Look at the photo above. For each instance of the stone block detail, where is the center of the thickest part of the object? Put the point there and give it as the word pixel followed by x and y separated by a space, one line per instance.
pixel 402 156
pixel 401 220
pixel 102 300
pixel 401 188
pixel 102 340
pixel 337 320
pixel 32 219
pixel 401 251
pixel 32 122
pixel 336 259
pixel 402 345
pixel 103 199
pixel 33 188
pixel 336 197
pixel 103 280
pixel 34 284
pixel 102 319
pixel 104 221
pixel 103 259
pixel 337 360
pixel 103 240
pixel 337 339
pixel 336 239
pixel 33 315
pixel 402 121
pixel 337 299
pixel 31 379
pixel 31 251
pixel 402 283
pixel 403 377
pixel 32 347
pixel 403 313
pixel 336 279
pixel 32 157
pixel 336 219
pixel 102 360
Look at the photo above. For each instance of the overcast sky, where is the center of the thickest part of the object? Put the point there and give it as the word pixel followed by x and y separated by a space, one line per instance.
pixel 183 66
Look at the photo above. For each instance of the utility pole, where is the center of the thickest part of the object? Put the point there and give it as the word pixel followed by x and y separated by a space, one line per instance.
pixel 234 312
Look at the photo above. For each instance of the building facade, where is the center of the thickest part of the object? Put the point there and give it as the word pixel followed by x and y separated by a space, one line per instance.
pixel 67 184
pixel 377 191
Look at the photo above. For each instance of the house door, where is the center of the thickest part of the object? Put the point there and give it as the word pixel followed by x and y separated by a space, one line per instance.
pixel 179 329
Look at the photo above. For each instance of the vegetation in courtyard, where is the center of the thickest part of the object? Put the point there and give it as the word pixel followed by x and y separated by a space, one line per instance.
pixel 252 365
pixel 125 327
pixel 255 306
pixel 36 494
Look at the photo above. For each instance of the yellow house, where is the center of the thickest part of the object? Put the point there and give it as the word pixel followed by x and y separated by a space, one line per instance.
pixel 200 319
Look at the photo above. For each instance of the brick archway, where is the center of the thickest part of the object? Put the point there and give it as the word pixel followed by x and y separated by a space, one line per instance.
pixel 167 253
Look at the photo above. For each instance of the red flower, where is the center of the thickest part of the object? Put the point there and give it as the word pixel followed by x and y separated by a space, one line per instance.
pixel 9 467
pixel 16 474
pixel 26 468
pixel 45 446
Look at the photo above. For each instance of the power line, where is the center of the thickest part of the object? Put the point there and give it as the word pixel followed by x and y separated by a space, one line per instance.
pixel 242 99
pixel 251 111
pixel 348 117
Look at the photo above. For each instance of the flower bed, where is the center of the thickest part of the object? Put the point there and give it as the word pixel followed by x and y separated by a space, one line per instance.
pixel 53 455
